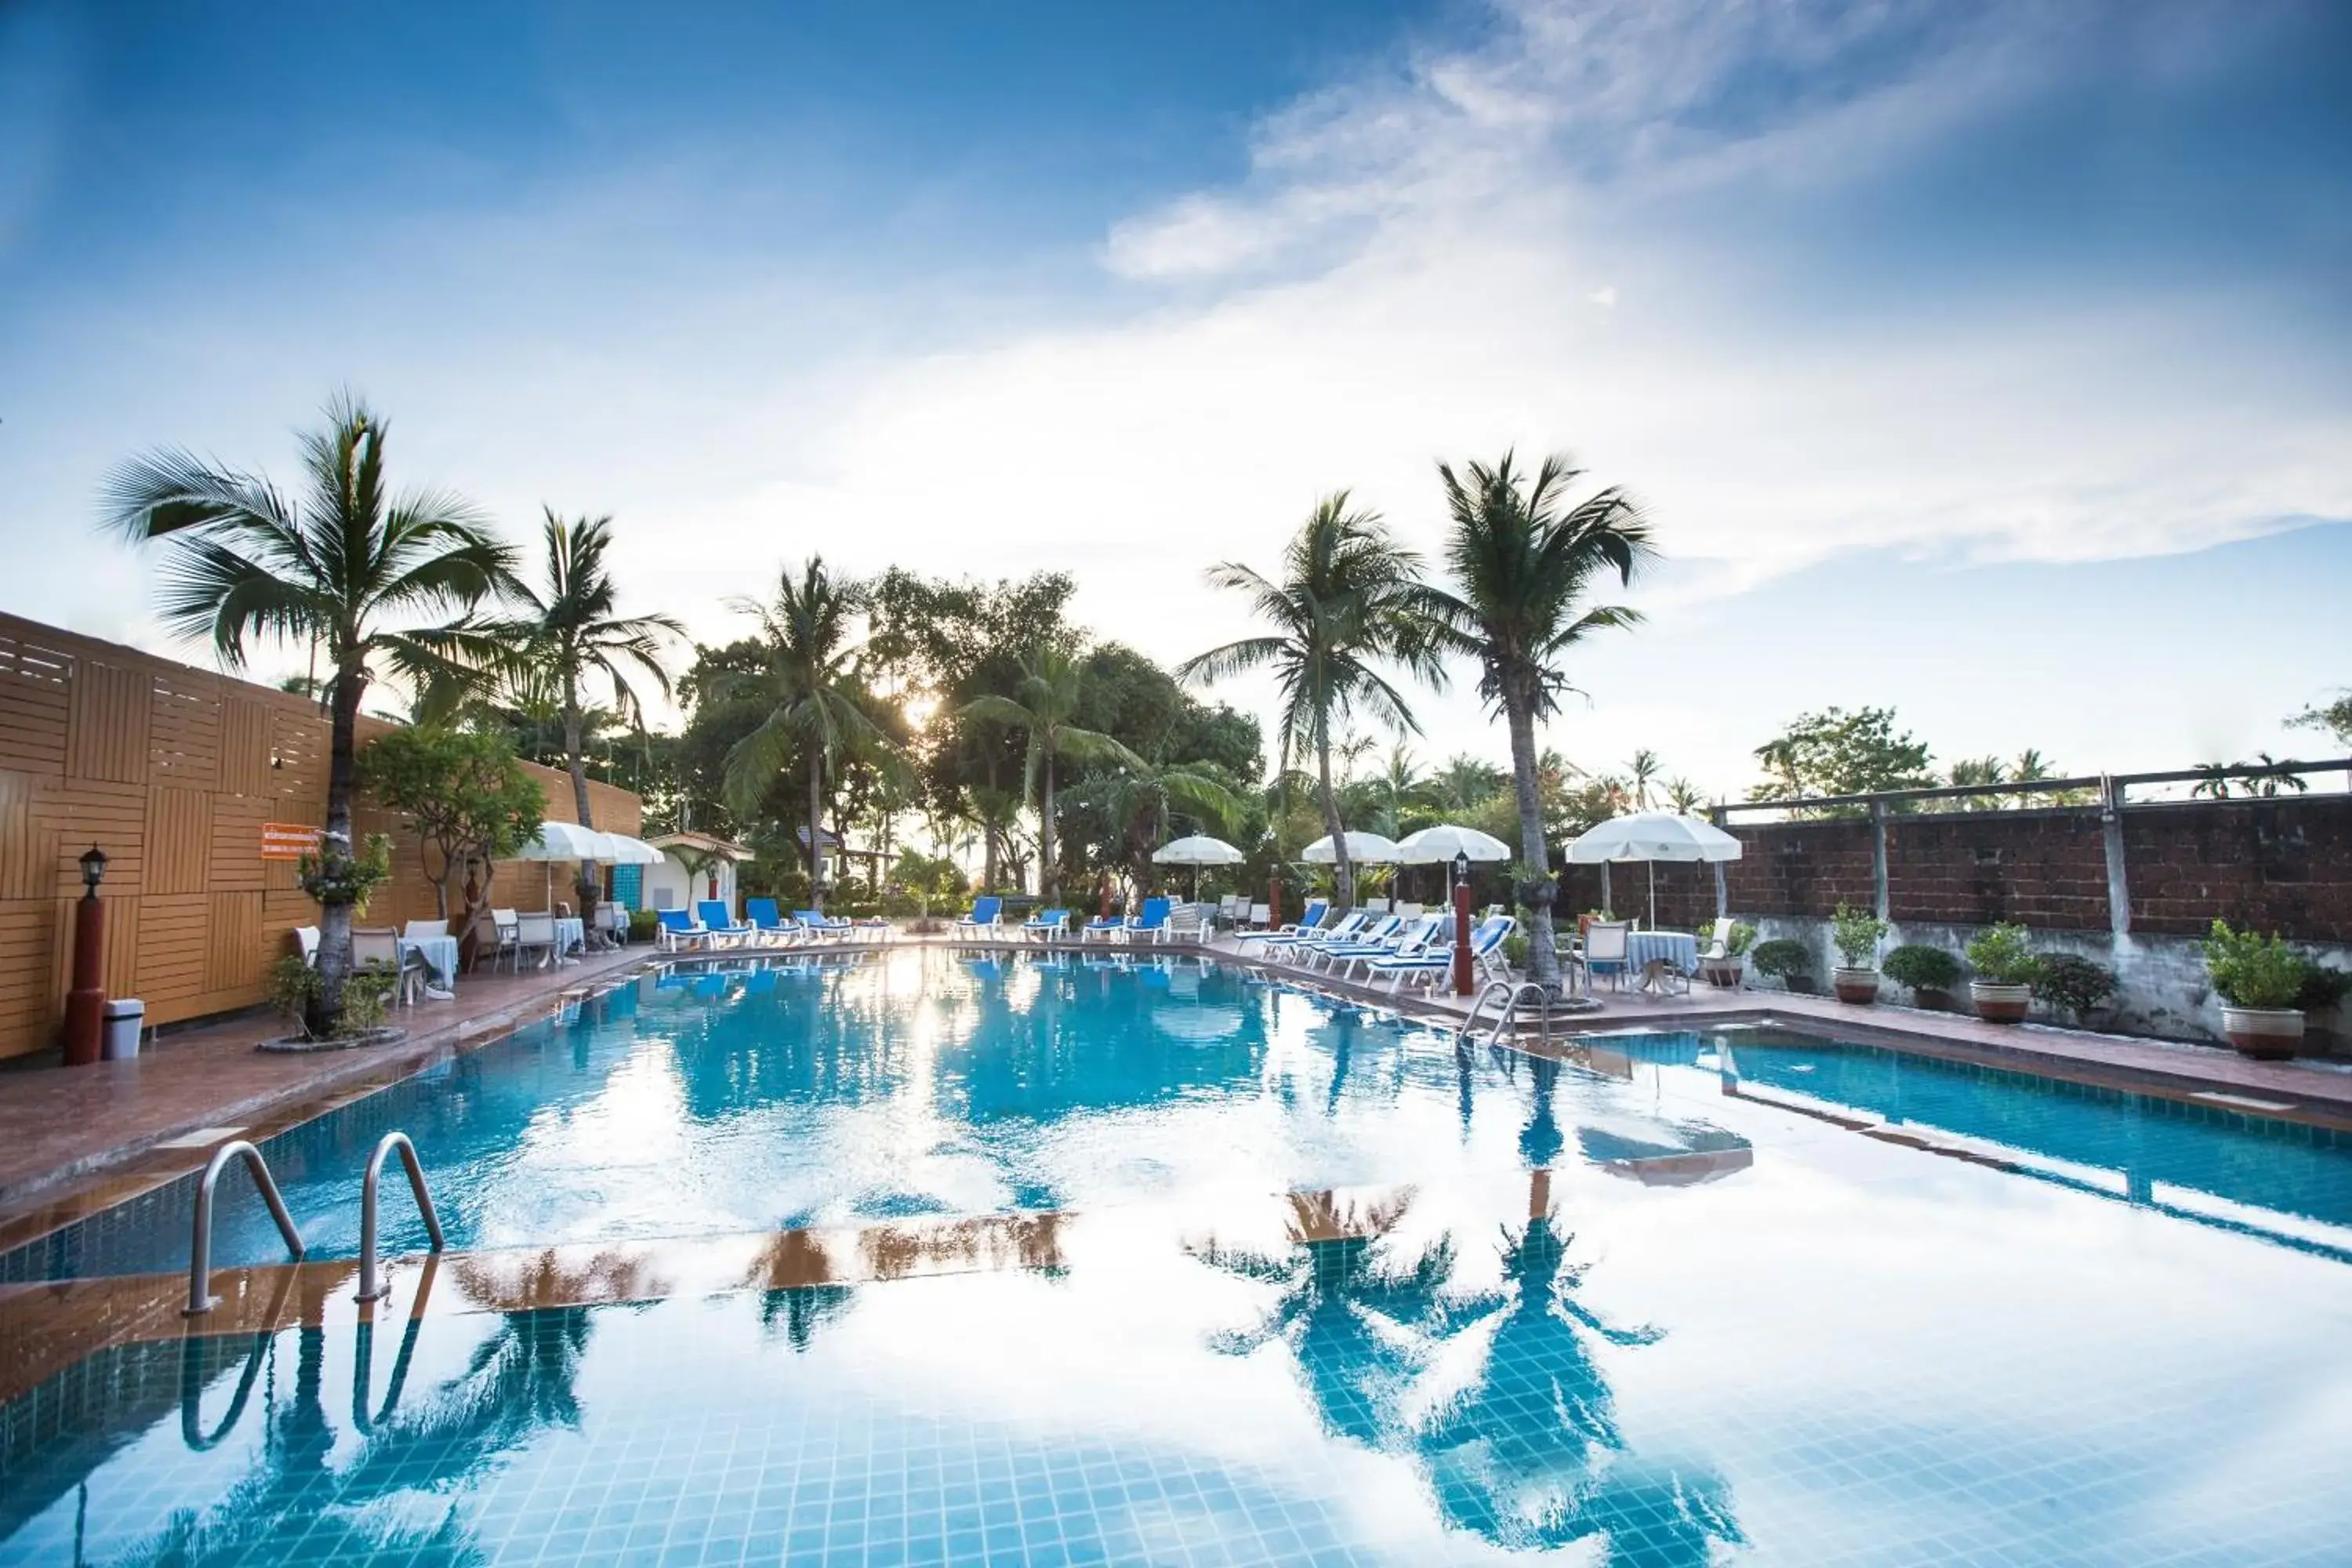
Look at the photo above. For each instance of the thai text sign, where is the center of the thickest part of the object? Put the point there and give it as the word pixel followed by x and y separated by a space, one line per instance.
pixel 288 841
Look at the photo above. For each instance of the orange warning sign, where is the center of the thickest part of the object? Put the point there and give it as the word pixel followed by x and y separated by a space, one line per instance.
pixel 288 841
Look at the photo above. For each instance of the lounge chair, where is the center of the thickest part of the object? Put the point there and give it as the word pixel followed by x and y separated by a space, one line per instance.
pixel 675 928
pixel 720 925
pixel 1046 925
pixel 1151 923
pixel 1189 922
pixel 764 919
pixel 535 931
pixel 986 918
pixel 1310 918
pixel 821 925
pixel 1346 928
pixel 1102 928
pixel 1374 938
pixel 1412 939
pixel 1435 962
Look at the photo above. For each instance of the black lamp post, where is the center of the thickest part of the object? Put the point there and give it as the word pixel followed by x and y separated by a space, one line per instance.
pixel 86 1002
pixel 1462 922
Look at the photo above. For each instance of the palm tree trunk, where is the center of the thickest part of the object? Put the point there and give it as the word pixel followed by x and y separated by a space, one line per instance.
pixel 1343 873
pixel 1535 889
pixel 588 883
pixel 816 827
pixel 1048 872
pixel 336 853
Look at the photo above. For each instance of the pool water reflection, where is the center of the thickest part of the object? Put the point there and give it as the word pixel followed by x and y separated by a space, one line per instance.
pixel 1326 1290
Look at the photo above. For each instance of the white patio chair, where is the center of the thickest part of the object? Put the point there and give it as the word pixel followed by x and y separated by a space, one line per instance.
pixel 307 938
pixel 535 932
pixel 378 948
pixel 503 923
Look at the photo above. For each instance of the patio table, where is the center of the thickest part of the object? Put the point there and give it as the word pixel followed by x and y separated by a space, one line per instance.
pixel 571 935
pixel 1674 950
pixel 440 955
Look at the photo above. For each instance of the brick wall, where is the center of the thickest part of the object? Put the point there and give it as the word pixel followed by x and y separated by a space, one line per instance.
pixel 2280 865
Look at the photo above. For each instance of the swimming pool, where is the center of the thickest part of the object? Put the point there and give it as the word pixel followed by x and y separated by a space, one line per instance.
pixel 1739 1296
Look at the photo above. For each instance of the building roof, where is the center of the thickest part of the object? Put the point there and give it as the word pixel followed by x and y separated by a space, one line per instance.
pixel 701 843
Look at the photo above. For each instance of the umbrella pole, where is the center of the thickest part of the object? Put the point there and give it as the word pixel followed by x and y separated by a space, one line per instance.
pixel 1654 895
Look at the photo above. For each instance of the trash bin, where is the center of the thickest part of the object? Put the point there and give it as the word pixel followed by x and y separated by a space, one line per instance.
pixel 125 1018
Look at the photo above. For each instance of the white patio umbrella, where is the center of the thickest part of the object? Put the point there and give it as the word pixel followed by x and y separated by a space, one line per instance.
pixel 564 841
pixel 1441 844
pixel 1652 836
pixel 1197 851
pixel 624 850
pixel 1363 848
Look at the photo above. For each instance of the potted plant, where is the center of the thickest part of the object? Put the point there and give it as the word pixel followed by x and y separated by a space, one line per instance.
pixel 2260 980
pixel 1923 970
pixel 2003 988
pixel 1725 970
pixel 1857 935
pixel 1785 959
pixel 2073 984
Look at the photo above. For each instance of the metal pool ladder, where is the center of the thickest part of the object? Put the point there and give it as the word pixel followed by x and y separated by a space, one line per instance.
pixel 1513 994
pixel 371 1287
pixel 201 1298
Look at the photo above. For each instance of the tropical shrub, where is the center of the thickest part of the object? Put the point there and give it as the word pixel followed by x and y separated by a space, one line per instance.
pixel 367 998
pixel 2253 970
pixel 1741 937
pixel 1514 950
pixel 643 924
pixel 292 985
pixel 2003 956
pixel 1857 935
pixel 1783 959
pixel 2323 988
pixel 2073 984
pixel 1921 968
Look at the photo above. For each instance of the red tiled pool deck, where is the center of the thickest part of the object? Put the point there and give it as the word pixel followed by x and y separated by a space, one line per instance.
pixel 74 1141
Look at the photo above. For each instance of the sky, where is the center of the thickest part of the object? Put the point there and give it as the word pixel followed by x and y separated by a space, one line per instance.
pixel 1992 362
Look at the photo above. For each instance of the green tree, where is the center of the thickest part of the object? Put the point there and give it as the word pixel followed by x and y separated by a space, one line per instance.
pixel 568 636
pixel 1642 777
pixel 1980 771
pixel 808 682
pixel 1349 601
pixel 1044 707
pixel 1523 561
pixel 1834 752
pixel 1683 798
pixel 465 794
pixel 332 565
pixel 1140 802
pixel 2332 718
pixel 1466 784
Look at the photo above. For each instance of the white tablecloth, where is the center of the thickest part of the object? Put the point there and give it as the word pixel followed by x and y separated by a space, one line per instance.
pixel 440 955
pixel 1676 950
pixel 571 935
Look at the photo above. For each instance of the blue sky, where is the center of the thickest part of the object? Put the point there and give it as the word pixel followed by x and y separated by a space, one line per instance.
pixel 1960 352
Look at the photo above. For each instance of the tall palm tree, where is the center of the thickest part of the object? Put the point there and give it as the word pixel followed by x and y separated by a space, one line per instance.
pixel 1350 600
pixel 1642 775
pixel 1523 561
pixel 1139 801
pixel 816 700
pixel 1044 706
pixel 569 635
pixel 330 565
pixel 1684 796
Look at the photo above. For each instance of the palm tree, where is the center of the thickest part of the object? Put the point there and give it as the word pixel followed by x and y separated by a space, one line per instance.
pixel 1684 796
pixel 330 566
pixel 1139 801
pixel 1523 562
pixel 1349 599
pixel 1045 705
pixel 816 701
pixel 1641 774
pixel 570 635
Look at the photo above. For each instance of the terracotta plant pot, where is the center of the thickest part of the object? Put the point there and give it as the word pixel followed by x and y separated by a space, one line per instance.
pixel 2271 1034
pixel 1722 971
pixel 1856 986
pixel 2000 1004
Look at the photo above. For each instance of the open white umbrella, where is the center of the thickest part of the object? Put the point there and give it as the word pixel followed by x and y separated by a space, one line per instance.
pixel 1652 836
pixel 564 841
pixel 624 850
pixel 1363 848
pixel 1438 846
pixel 1197 851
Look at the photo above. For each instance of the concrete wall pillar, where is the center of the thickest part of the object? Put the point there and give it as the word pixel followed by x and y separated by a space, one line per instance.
pixel 2111 829
pixel 1878 858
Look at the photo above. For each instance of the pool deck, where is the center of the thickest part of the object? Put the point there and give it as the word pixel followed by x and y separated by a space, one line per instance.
pixel 75 1141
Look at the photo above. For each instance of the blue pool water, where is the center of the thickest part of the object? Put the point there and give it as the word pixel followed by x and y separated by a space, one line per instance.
pixel 1684 1298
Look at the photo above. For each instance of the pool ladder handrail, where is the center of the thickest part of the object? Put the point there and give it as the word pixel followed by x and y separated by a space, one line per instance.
pixel 372 1287
pixel 1514 992
pixel 201 1298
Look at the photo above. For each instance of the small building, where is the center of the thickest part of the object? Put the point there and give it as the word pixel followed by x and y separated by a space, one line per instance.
pixel 694 867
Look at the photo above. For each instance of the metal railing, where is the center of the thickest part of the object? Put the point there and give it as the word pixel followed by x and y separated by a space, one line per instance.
pixel 201 1298
pixel 2108 789
pixel 371 1287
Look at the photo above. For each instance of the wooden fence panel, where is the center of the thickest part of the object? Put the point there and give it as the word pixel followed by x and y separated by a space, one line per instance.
pixel 106 738
pixel 172 771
